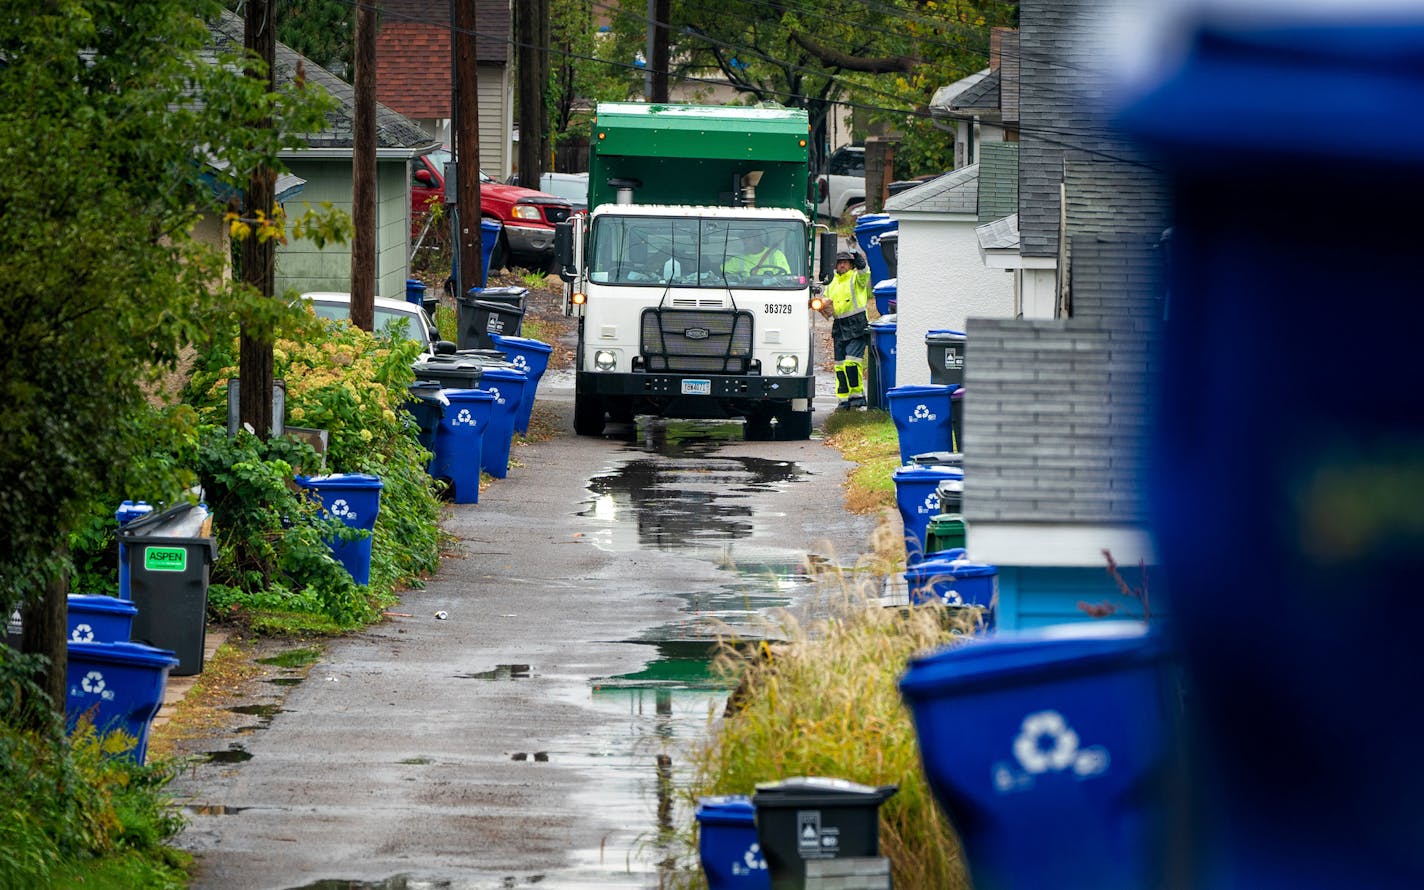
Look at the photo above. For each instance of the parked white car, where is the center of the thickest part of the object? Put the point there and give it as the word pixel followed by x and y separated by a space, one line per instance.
pixel 843 189
pixel 389 313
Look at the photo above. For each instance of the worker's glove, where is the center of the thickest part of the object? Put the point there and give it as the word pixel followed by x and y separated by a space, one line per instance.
pixel 859 261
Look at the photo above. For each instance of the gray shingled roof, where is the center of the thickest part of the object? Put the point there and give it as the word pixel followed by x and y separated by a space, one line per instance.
pixel 393 131
pixel 1001 234
pixel 1117 278
pixel 984 94
pixel 1106 197
pixel 998 180
pixel 956 192
pixel 946 101
pixel 1055 421
pixel 1060 93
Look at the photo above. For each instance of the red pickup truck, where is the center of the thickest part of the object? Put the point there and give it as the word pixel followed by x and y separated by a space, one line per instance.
pixel 528 216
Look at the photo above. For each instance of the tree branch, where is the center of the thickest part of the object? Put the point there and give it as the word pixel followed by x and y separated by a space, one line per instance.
pixel 883 65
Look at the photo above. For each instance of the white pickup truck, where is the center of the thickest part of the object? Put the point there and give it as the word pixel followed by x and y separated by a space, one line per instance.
pixel 844 187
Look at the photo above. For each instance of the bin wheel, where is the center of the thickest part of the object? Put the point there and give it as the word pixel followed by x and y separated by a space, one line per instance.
pixel 588 415
pixel 793 426
pixel 758 428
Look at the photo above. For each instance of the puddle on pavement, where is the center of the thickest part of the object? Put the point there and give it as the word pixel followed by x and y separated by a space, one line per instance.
pixel 285 681
pixel 212 809
pixel 293 658
pixel 406 882
pixel 501 672
pixel 234 754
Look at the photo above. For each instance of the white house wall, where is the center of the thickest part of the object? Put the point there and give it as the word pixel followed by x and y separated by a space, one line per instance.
pixel 1039 292
pixel 942 282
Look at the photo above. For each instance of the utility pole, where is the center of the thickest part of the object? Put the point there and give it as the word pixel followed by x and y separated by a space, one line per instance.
pixel 659 59
pixel 363 172
pixel 466 111
pixel 531 28
pixel 254 403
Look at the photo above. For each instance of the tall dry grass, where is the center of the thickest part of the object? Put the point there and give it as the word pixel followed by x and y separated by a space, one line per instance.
pixel 824 701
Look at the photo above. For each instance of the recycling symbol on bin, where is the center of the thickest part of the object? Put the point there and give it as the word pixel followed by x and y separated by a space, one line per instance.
pixel 342 509
pixel 464 417
pixel 82 633
pixel 93 683
pixel 1047 744
pixel 752 860
pixel 931 504
pixel 521 364
pixel 494 391
pixel 922 412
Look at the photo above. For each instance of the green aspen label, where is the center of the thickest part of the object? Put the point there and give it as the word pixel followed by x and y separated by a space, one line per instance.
pixel 165 559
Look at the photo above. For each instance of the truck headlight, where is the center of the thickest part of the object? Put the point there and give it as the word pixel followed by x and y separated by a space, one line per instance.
pixel 786 365
pixel 525 211
pixel 605 360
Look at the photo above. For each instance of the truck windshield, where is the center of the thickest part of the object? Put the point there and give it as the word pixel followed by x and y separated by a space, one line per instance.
pixel 691 252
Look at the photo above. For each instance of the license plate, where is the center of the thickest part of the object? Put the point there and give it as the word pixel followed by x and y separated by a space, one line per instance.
pixel 697 387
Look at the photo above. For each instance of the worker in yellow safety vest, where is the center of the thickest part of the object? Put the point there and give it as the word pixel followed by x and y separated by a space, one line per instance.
pixel 849 294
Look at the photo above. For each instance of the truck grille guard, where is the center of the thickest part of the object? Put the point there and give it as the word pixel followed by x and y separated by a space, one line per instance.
pixel 696 341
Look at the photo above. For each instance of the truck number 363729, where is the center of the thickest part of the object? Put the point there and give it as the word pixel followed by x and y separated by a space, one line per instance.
pixel 778 309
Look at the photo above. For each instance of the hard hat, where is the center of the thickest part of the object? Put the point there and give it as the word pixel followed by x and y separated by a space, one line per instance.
pixel 845 255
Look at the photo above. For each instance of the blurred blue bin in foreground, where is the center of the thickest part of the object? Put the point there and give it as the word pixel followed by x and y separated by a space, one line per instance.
pixel 100 619
pixel 727 844
pixel 922 418
pixel 918 500
pixel 950 578
pixel 507 385
pixel 1309 764
pixel 119 686
pixel 459 442
pixel 531 357
pixel 355 499
pixel 1050 752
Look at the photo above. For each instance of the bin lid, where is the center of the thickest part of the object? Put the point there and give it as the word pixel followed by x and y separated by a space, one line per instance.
pixel 508 374
pixel 125 653
pixel 885 322
pixel 951 553
pixel 910 390
pixel 728 809
pixel 946 564
pixel 510 290
pixel 341 480
pixel 93 602
pixel 178 521
pixel 818 791
pixel 875 221
pixel 922 473
pixel 886 286
pixel 939 458
pixel 945 335
pixel 129 510
pixel 1047 652
pixel 468 395
pixel 505 308
pixel 521 343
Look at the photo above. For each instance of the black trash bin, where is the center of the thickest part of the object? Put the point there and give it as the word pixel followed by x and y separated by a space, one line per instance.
pixel 808 818
pixel 494 310
pixel 945 351
pixel 890 252
pixel 170 554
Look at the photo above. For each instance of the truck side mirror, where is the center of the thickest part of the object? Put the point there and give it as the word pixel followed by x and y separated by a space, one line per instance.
pixel 829 242
pixel 564 250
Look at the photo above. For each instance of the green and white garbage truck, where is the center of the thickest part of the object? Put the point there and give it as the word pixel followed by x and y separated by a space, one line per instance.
pixel 692 274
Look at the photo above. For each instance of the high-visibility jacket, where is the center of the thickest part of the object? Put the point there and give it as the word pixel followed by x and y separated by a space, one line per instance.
pixel 769 258
pixel 849 292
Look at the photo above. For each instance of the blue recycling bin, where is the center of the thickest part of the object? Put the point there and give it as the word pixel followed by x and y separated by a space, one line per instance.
pixel 507 386
pixel 459 442
pixel 868 230
pixel 1050 751
pixel 727 844
pixel 922 418
pixel 918 500
pixel 949 577
pixel 1307 493
pixel 531 357
pixel 127 512
pixel 119 686
pixel 415 292
pixel 882 338
pixel 425 407
pixel 100 619
pixel 355 499
pixel 885 294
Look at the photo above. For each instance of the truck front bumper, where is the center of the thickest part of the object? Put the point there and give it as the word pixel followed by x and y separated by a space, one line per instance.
pixel 717 386
pixel 530 240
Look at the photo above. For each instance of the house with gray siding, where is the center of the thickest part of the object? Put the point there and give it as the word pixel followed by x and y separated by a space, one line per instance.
pixel 325 164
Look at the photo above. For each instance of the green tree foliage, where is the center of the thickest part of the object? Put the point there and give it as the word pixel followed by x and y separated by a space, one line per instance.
pixel 885 58
pixel 581 73
pixel 116 119
pixel 321 30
